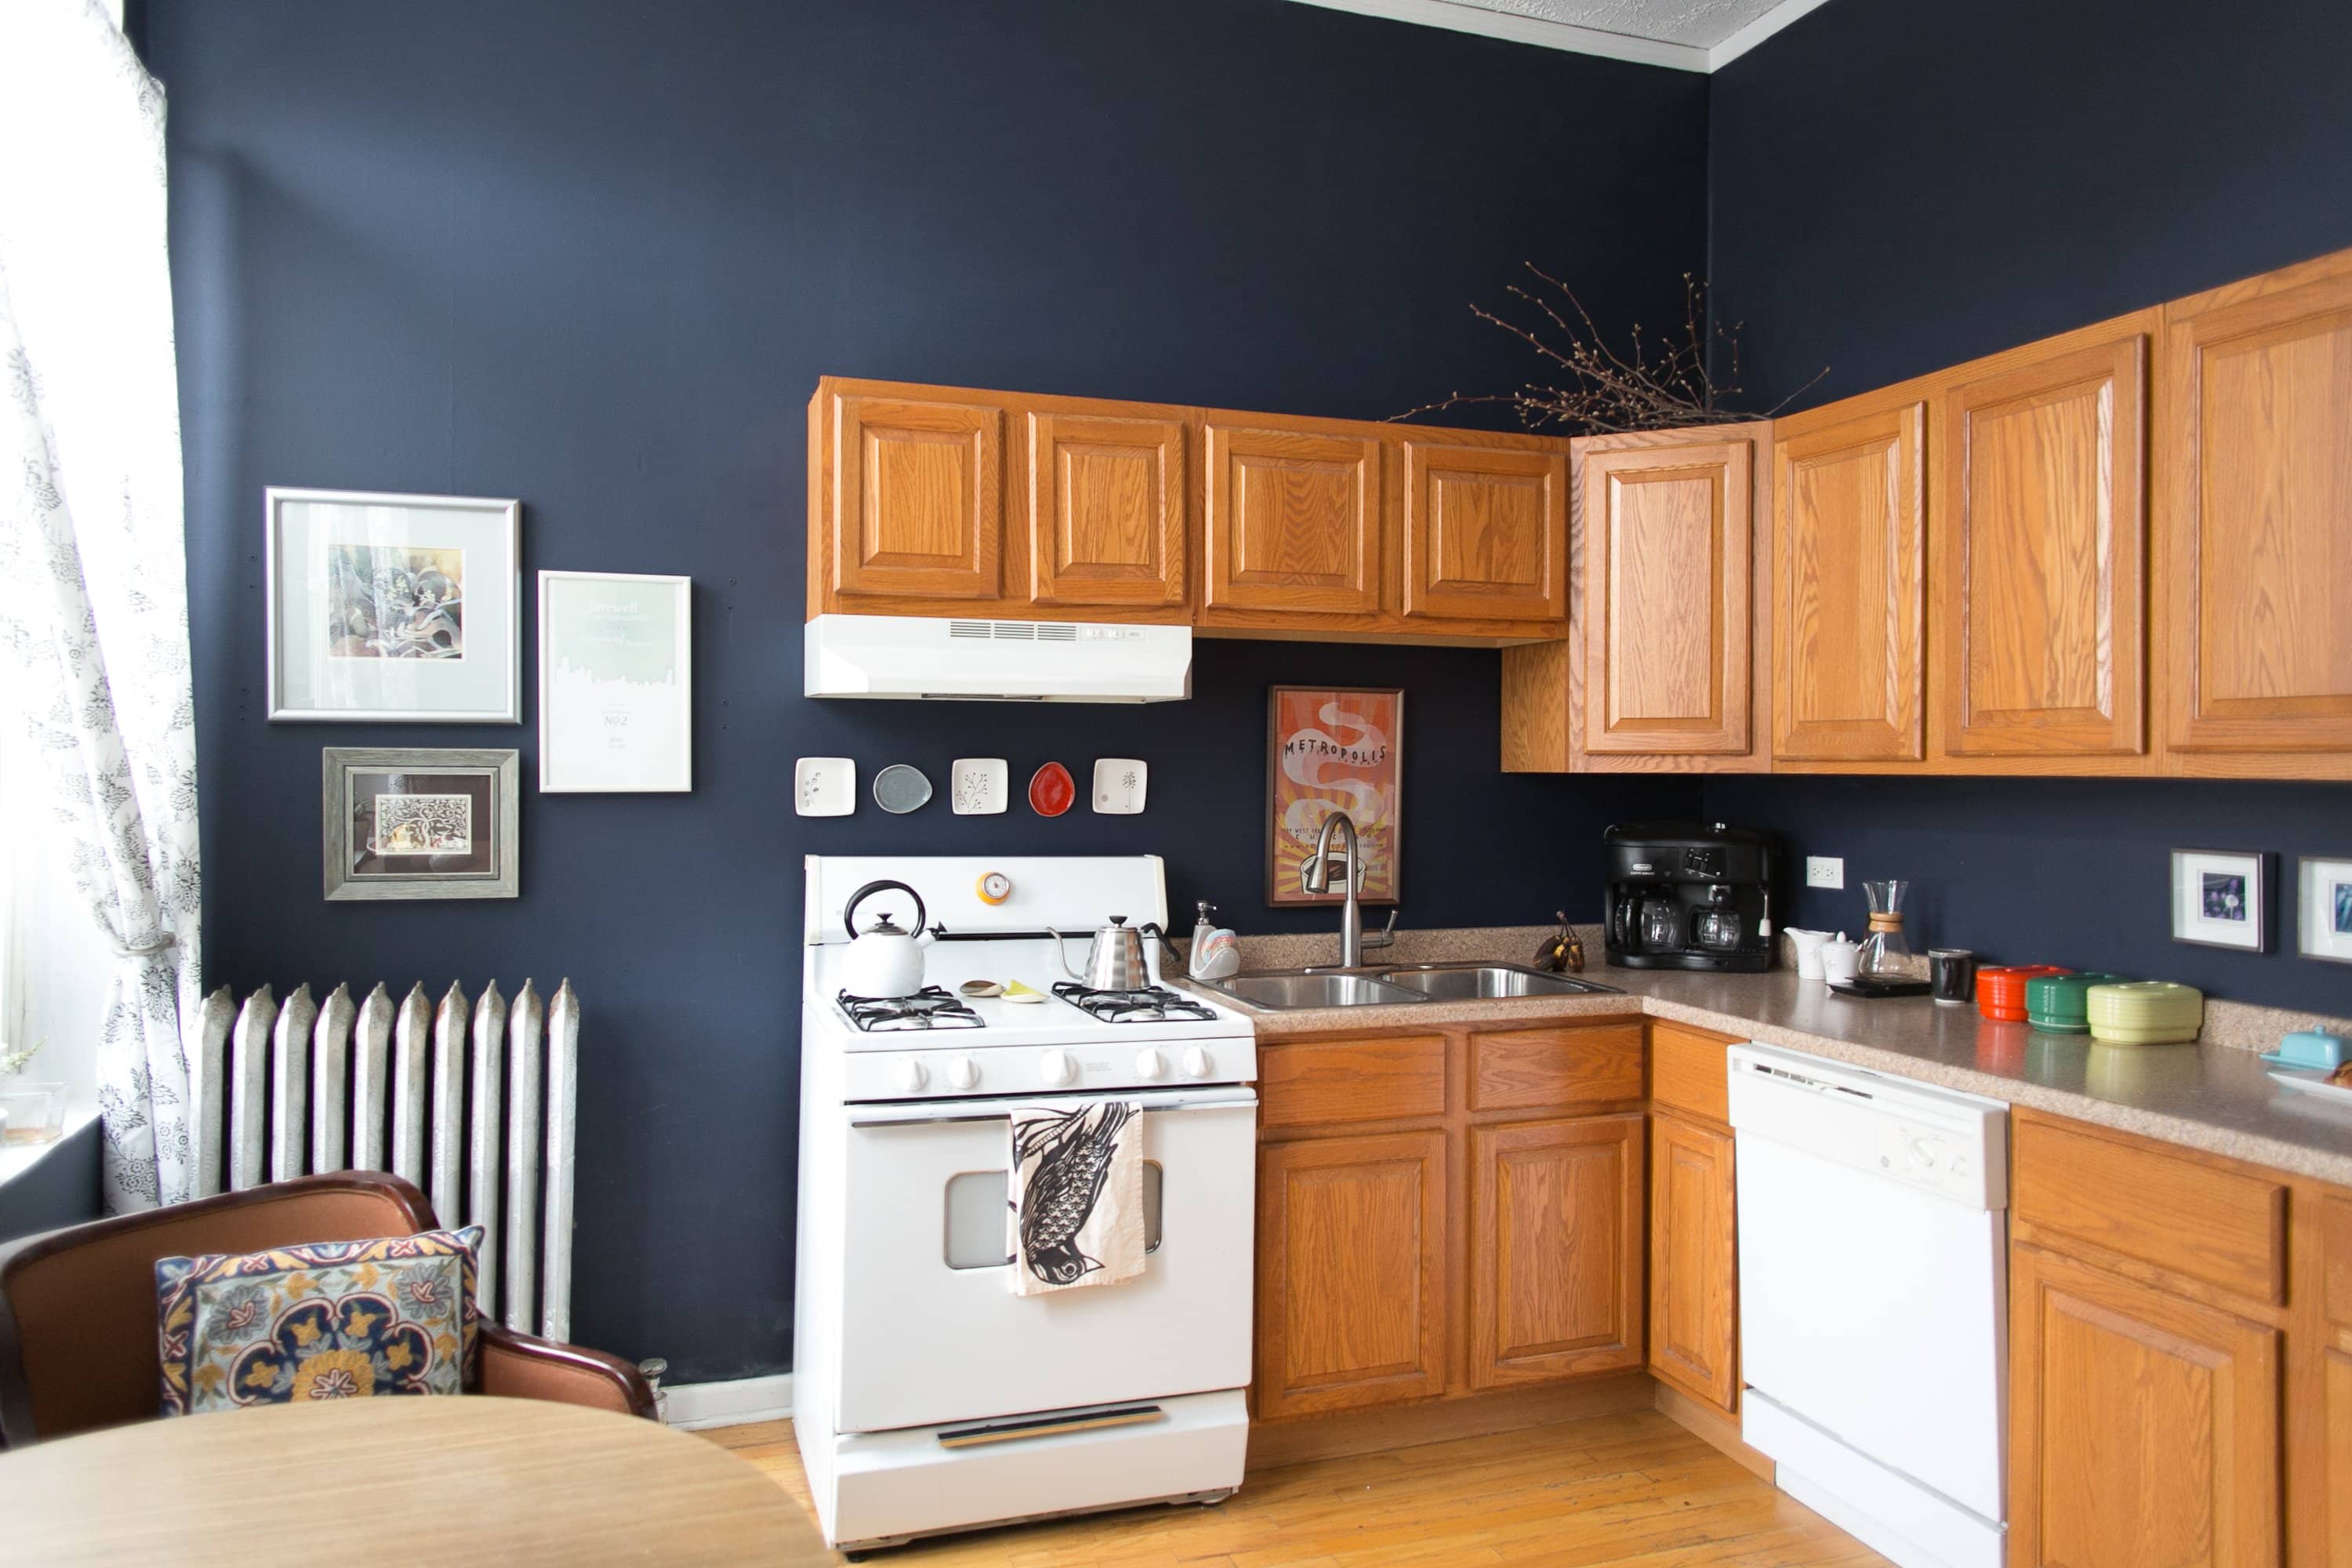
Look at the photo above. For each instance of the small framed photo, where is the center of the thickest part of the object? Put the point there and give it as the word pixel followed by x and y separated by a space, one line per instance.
pixel 2218 898
pixel 2324 902
pixel 615 682
pixel 1332 748
pixel 403 824
pixel 392 608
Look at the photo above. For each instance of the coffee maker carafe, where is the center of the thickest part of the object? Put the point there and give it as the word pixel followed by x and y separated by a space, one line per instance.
pixel 1688 895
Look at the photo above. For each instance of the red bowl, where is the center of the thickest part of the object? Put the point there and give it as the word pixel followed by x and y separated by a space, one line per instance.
pixel 2001 992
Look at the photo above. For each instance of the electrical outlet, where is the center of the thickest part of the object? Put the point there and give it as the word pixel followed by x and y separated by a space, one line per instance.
pixel 1824 871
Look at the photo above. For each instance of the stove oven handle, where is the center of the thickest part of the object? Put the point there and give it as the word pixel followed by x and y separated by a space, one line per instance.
pixel 1245 1102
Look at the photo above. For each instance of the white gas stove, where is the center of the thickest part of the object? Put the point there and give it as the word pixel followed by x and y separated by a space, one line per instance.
pixel 928 1397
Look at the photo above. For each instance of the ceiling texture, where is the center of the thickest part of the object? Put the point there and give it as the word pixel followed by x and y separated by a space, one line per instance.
pixel 1684 34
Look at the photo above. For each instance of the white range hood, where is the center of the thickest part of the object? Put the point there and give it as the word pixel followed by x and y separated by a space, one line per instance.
pixel 998 661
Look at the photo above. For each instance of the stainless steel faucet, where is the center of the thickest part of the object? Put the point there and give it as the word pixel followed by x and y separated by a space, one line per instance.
pixel 1315 877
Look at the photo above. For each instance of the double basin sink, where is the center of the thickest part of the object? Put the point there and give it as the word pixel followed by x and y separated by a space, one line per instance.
pixel 1293 989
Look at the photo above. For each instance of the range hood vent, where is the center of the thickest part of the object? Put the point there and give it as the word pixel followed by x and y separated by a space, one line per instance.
pixel 995 661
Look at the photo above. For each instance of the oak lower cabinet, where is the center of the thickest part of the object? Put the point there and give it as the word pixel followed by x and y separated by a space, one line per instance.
pixel 1555 1249
pixel 1694 1260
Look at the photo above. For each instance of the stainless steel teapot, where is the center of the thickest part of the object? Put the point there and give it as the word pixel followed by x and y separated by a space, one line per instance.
pixel 1116 962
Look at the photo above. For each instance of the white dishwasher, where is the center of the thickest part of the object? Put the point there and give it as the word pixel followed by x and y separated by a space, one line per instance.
pixel 1872 1302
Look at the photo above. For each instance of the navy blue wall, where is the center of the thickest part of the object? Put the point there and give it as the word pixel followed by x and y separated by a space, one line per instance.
pixel 595 255
pixel 1898 188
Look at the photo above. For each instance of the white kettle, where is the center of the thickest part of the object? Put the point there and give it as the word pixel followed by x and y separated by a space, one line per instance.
pixel 883 960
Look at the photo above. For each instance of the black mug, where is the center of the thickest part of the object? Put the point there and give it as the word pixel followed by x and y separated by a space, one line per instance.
pixel 1952 975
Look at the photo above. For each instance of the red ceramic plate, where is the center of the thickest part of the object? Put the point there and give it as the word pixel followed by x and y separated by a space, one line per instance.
pixel 1051 791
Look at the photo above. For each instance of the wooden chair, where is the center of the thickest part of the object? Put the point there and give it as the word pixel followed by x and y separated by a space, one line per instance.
pixel 77 1330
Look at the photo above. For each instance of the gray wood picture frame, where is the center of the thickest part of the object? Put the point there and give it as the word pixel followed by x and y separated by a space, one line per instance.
pixel 499 770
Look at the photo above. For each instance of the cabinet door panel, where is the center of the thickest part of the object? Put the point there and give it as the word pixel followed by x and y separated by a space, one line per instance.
pixel 2044 537
pixel 1848 531
pixel 1694 1265
pixel 1106 517
pixel 1555 1249
pixel 1555 1069
pixel 1352 1272
pixel 2144 1427
pixel 2258 555
pixel 918 503
pixel 1486 532
pixel 1668 536
pixel 1294 523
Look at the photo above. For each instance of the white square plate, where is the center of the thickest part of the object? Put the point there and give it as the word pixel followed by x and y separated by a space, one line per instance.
pixel 979 786
pixel 825 786
pixel 2314 1082
pixel 1119 784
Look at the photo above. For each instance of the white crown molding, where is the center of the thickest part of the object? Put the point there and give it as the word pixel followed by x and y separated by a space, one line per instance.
pixel 1515 29
pixel 697 1406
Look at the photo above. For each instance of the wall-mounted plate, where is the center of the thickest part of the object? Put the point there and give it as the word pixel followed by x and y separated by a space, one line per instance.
pixel 1052 790
pixel 901 788
pixel 979 786
pixel 825 786
pixel 1119 783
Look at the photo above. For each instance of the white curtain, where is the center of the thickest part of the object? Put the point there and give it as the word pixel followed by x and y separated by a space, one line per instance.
pixel 93 576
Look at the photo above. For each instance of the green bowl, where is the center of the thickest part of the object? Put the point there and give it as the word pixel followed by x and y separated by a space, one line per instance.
pixel 2058 1004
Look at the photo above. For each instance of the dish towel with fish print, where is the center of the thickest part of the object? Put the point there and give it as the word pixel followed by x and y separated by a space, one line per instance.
pixel 1075 1196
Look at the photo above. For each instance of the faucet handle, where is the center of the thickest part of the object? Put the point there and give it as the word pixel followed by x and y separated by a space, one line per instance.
pixel 1386 935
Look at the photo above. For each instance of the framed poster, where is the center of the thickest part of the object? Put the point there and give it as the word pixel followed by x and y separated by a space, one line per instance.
pixel 404 824
pixel 615 683
pixel 391 607
pixel 2221 897
pixel 1332 748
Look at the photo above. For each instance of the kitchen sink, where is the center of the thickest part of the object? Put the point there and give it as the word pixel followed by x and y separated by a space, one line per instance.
pixel 1290 992
pixel 1473 982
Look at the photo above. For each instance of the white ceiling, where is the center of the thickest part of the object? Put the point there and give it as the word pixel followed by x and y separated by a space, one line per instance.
pixel 1686 35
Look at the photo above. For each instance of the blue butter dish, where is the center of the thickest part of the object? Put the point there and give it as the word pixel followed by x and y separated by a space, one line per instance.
pixel 2308 1048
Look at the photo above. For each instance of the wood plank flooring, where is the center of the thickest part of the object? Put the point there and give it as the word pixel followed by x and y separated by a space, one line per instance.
pixel 1624 1490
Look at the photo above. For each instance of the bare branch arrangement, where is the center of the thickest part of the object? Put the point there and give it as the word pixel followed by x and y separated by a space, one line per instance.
pixel 1654 384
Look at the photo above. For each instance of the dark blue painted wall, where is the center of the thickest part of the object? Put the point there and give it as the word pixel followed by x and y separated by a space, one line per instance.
pixel 595 255
pixel 1898 188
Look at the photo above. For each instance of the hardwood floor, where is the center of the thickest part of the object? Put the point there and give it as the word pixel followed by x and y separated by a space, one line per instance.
pixel 1632 1488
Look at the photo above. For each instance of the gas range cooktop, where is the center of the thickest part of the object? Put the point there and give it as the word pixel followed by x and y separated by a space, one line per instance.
pixel 930 1008
pixel 1149 1005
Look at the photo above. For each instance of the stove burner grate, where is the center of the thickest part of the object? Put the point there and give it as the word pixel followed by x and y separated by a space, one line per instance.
pixel 1149 1005
pixel 930 1008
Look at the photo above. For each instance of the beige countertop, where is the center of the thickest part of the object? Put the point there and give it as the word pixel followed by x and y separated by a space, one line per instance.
pixel 2208 1096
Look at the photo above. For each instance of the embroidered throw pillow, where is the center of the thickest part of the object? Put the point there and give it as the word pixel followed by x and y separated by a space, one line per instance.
pixel 330 1319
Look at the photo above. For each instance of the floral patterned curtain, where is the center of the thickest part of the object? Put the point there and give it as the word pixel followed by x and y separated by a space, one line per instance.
pixel 93 575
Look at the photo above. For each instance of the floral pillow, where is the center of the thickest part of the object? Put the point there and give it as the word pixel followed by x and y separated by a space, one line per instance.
pixel 330 1319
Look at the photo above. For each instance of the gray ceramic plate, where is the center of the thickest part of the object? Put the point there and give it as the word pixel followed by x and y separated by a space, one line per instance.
pixel 900 789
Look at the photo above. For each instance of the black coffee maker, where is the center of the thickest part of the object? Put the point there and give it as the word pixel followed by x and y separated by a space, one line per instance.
pixel 1688 895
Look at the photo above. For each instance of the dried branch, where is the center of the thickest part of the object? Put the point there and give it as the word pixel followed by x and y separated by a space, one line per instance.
pixel 1603 391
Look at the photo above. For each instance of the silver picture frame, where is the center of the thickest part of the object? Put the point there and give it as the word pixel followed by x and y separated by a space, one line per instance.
pixel 420 823
pixel 2221 897
pixel 415 655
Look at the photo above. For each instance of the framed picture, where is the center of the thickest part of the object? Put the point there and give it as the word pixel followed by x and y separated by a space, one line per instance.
pixel 615 682
pixel 2218 898
pixel 392 608
pixel 1332 748
pixel 421 823
pixel 2323 902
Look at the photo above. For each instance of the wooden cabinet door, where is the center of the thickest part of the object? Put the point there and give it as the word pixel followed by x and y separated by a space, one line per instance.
pixel 1350 1272
pixel 2335 1470
pixel 1293 523
pixel 1105 511
pixel 2144 1428
pixel 1693 1263
pixel 1555 1249
pixel 1486 532
pixel 2042 544
pixel 2254 503
pixel 1668 537
pixel 918 504
pixel 1848 532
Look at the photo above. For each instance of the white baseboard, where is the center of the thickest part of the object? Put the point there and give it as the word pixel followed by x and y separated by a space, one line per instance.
pixel 694 1406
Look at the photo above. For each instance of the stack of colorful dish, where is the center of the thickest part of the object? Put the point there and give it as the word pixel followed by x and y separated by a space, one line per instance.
pixel 2001 993
pixel 2054 1003
pixel 2144 1012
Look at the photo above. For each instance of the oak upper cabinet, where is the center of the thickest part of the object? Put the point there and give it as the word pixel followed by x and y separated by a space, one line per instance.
pixel 1105 512
pixel 2041 548
pixel 1555 1248
pixel 908 499
pixel 1293 526
pixel 1849 536
pixel 1668 536
pixel 1486 531
pixel 1352 1239
pixel 1694 1262
pixel 2255 491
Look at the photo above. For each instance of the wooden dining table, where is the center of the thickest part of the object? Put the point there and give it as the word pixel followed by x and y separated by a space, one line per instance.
pixel 449 1481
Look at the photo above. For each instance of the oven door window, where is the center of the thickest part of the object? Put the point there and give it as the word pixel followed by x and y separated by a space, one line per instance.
pixel 976 1204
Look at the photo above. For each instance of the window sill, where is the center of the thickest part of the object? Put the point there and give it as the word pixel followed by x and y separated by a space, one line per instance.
pixel 18 1159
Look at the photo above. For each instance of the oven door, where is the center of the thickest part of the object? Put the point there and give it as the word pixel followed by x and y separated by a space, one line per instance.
pixel 931 1330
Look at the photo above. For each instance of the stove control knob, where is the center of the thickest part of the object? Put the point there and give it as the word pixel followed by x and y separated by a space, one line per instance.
pixel 1196 1062
pixel 1149 1064
pixel 913 1076
pixel 963 1073
pixel 1058 1067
